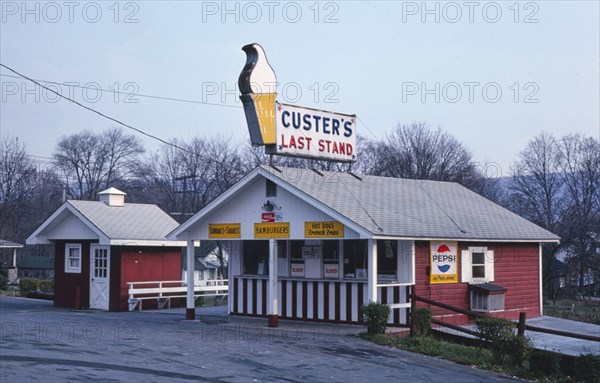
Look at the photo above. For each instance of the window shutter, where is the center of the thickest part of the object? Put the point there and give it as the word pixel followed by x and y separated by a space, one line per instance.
pixel 465 260
pixel 489 265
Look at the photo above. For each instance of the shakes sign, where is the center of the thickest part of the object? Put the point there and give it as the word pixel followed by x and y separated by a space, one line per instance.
pixel 313 133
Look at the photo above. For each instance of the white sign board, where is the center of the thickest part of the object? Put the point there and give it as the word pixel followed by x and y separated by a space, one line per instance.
pixel 297 270
pixel 313 133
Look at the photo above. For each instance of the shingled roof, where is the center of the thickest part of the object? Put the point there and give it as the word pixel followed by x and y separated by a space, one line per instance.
pixel 409 208
pixel 127 224
pixel 131 221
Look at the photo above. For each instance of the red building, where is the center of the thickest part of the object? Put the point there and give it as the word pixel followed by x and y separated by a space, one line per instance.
pixel 102 245
pixel 317 245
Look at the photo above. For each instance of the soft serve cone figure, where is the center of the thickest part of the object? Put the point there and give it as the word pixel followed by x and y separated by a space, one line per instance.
pixel 257 85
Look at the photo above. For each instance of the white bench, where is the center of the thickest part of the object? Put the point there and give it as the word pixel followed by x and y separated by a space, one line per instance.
pixel 163 291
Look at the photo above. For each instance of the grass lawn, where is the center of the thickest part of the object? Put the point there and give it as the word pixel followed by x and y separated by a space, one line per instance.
pixel 537 368
pixel 582 311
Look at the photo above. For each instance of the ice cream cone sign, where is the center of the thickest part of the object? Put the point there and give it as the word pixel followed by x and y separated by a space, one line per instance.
pixel 257 85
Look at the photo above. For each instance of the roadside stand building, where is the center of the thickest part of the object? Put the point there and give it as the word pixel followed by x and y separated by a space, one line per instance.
pixel 316 245
pixel 102 245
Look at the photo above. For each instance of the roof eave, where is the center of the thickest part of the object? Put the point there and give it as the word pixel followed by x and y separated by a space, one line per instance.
pixel 180 232
pixel 147 242
pixel 514 240
pixel 37 237
pixel 362 231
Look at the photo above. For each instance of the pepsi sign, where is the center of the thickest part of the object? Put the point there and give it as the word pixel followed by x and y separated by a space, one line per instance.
pixel 443 262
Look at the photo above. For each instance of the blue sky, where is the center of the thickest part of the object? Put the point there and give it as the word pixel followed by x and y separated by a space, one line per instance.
pixel 493 74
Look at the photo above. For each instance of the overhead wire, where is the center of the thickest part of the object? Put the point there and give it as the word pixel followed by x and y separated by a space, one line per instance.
pixel 38 83
pixel 127 93
pixel 120 122
pixel 164 98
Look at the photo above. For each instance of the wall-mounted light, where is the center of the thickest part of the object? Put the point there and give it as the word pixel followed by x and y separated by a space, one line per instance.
pixel 270 206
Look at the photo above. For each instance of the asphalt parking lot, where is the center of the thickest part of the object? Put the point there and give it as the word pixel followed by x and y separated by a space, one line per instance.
pixel 41 343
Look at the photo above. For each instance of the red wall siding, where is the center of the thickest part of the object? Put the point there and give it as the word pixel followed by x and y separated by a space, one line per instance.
pixel 516 268
pixel 68 286
pixel 145 264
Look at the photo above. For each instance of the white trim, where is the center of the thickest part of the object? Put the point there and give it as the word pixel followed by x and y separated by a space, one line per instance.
pixel 541 282
pixel 271 175
pixel 69 269
pixel 466 239
pixel 93 248
pixel 190 268
pixel 36 238
pixel 489 264
pixel 147 242
pixel 181 232
pixel 272 285
pixel 372 271
pixel 467 265
pixel 178 233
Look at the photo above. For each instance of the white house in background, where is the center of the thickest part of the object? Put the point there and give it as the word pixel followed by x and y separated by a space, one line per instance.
pixel 9 259
pixel 207 264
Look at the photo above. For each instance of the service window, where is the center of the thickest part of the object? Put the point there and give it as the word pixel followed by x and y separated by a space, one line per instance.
pixel 73 258
pixel 296 260
pixel 255 256
pixel 355 258
pixel 282 258
pixel 331 261
pixel 387 260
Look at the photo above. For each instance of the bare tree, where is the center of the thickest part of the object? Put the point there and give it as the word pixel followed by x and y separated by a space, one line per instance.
pixel 187 180
pixel 536 192
pixel 254 156
pixel 17 174
pixel 556 184
pixel 90 162
pixel 417 152
pixel 579 159
pixel 537 187
pixel 27 194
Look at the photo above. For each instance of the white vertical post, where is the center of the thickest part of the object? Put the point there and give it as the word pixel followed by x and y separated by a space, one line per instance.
pixel 372 272
pixel 272 298
pixel 541 280
pixel 232 255
pixel 190 311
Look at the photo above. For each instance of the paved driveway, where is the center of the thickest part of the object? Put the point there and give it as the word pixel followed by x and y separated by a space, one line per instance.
pixel 41 343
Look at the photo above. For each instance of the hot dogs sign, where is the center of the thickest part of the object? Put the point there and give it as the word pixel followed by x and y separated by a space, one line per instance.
pixel 291 130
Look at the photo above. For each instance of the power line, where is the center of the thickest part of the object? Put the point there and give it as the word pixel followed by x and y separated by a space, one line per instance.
pixel 37 82
pixel 174 99
pixel 126 93
pixel 120 122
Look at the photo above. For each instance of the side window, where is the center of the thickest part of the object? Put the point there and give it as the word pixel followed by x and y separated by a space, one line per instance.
pixel 255 257
pixel 73 258
pixel 477 265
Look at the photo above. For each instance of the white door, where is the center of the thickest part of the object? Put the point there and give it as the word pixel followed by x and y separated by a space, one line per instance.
pixel 99 277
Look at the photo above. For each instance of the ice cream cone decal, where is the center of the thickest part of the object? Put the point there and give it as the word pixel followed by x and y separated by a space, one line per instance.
pixel 257 85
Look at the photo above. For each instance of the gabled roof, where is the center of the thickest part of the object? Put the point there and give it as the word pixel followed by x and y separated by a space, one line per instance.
pixel 393 207
pixel 412 208
pixel 131 224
